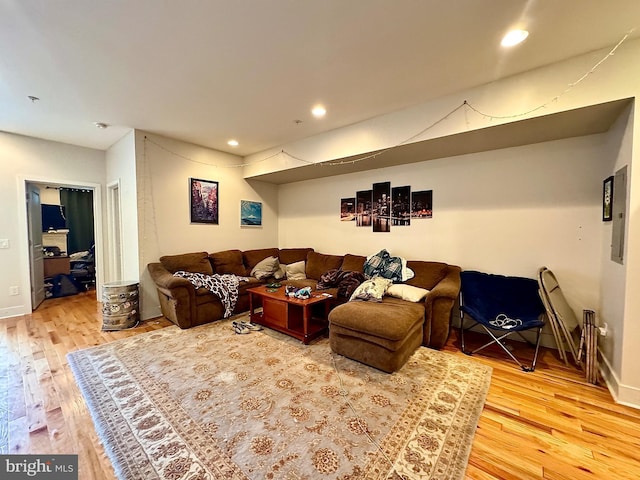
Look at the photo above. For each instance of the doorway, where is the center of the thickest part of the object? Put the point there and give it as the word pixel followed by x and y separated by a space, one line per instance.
pixel 24 219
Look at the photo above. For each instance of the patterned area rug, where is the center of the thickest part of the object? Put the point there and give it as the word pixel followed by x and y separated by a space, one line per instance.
pixel 206 403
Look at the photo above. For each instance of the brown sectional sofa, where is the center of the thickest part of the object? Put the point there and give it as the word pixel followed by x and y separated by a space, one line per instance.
pixel 188 307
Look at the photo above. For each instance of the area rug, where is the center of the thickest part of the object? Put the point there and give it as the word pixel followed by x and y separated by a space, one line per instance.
pixel 206 403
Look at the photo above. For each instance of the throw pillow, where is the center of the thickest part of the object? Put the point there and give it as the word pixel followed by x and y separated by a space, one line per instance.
pixel 296 271
pixel 281 272
pixel 371 290
pixel 407 292
pixel 265 268
pixel 407 273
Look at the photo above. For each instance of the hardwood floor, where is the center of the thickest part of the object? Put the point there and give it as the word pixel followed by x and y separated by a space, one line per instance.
pixel 547 424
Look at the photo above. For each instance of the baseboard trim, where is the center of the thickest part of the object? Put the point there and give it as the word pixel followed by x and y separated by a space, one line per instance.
pixel 622 394
pixel 12 312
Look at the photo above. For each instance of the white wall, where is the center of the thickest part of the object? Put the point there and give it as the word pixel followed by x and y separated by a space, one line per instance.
pixel 613 285
pixel 164 167
pixel 507 211
pixel 25 158
pixel 629 391
pixel 121 166
pixel 49 196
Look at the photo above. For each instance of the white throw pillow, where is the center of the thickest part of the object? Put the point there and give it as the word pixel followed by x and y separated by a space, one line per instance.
pixel 296 271
pixel 407 273
pixel 281 272
pixel 265 268
pixel 407 292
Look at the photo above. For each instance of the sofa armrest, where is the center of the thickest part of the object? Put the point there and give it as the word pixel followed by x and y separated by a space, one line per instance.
pixel 177 296
pixel 165 279
pixel 439 304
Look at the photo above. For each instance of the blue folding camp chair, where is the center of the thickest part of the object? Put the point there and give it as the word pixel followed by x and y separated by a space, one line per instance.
pixel 504 305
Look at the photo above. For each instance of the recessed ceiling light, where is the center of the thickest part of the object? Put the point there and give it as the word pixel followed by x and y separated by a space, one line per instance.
pixel 233 143
pixel 319 111
pixel 514 37
pixel 100 125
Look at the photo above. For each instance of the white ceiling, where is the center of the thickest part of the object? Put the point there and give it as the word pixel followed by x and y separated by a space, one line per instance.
pixel 209 70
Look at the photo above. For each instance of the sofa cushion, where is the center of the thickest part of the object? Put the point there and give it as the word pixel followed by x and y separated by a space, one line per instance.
pixel 293 255
pixel 406 292
pixel 388 320
pixel 228 261
pixel 353 263
pixel 318 263
pixel 295 271
pixel 250 258
pixel 196 262
pixel 427 274
pixel 265 268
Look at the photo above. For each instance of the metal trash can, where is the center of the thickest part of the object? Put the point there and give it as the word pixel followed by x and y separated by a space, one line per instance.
pixel 120 308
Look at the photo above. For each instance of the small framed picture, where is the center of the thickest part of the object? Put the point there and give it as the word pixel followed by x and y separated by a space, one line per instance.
pixel 347 209
pixel 422 204
pixel 607 199
pixel 363 208
pixel 204 201
pixel 250 213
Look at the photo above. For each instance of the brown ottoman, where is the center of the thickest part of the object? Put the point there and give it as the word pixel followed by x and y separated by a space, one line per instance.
pixel 382 335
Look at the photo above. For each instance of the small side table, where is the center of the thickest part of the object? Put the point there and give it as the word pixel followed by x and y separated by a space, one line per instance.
pixel 120 305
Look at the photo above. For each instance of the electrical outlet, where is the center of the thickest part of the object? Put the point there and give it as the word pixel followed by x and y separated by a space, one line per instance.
pixel 604 330
pixel 14 290
pixel 4 243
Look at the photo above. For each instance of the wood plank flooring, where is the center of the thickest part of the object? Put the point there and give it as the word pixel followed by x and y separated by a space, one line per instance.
pixel 548 424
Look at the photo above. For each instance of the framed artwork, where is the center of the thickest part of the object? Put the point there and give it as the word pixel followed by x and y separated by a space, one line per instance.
pixel 401 206
pixel 607 199
pixel 347 209
pixel 363 208
pixel 204 201
pixel 250 213
pixel 382 207
pixel 422 204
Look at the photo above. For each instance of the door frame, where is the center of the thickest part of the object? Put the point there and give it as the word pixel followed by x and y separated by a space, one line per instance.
pixel 25 269
pixel 114 230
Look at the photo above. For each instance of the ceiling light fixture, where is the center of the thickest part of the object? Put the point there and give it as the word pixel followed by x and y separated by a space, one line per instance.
pixel 319 111
pixel 233 143
pixel 100 125
pixel 514 37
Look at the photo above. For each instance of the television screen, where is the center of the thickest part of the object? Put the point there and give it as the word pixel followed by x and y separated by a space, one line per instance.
pixel 53 217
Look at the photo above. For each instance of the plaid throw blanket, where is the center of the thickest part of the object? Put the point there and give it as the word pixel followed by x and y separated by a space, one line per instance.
pixel 225 287
pixel 382 264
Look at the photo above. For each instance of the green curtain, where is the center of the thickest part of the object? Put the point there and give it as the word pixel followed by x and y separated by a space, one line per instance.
pixel 78 204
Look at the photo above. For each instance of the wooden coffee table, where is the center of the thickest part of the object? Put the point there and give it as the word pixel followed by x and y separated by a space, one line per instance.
pixel 301 319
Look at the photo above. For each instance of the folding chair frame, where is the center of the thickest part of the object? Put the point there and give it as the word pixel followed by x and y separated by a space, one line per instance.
pixel 498 341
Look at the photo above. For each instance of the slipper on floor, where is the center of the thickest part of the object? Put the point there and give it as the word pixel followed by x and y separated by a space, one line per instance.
pixel 252 326
pixel 240 328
